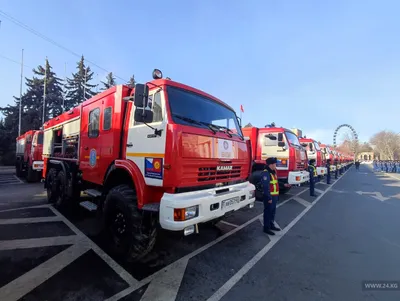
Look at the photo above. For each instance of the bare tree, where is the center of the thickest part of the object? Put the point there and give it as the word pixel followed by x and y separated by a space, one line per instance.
pixel 387 144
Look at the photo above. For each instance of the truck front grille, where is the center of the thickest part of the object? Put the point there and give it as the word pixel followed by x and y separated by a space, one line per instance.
pixel 211 173
pixel 300 165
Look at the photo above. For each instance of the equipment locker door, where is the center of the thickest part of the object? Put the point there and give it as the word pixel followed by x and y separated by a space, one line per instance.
pixel 90 142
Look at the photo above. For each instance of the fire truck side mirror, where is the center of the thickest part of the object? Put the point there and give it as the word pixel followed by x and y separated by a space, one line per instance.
pixel 141 95
pixel 142 115
pixel 281 144
pixel 280 137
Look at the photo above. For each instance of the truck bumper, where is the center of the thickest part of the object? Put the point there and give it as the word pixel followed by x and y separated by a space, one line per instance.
pixel 37 165
pixel 208 205
pixel 298 177
pixel 321 171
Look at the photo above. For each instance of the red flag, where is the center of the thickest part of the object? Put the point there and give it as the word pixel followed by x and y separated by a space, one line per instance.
pixel 241 108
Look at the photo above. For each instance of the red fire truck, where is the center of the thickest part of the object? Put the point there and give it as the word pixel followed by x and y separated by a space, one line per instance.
pixel 283 144
pixel 29 162
pixel 328 155
pixel 161 153
pixel 315 152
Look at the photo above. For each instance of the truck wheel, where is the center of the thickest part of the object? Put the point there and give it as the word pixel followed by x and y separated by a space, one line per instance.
pixel 31 175
pixel 132 232
pixel 283 190
pixel 255 179
pixel 17 170
pixel 51 184
pixel 62 198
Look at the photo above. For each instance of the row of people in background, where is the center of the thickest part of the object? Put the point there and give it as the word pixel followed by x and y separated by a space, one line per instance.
pixel 387 166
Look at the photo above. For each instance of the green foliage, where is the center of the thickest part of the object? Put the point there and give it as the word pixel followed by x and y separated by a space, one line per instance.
pixel 78 87
pixel 110 82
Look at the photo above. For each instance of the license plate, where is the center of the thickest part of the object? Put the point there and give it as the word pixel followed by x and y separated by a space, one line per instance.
pixel 229 202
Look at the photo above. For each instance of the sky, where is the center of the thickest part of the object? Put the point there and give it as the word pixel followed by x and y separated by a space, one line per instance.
pixel 312 65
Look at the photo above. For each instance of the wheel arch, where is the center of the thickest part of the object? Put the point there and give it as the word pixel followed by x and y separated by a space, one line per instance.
pixel 125 172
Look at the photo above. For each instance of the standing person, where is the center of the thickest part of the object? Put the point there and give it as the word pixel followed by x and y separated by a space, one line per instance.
pixel 270 185
pixel 328 173
pixel 313 176
pixel 357 165
pixel 337 169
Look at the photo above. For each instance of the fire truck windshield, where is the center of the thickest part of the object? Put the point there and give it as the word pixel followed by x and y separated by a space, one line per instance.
pixel 193 109
pixel 292 138
pixel 316 146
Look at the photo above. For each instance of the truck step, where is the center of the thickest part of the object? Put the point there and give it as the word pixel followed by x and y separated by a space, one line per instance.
pixel 93 193
pixel 88 205
pixel 153 207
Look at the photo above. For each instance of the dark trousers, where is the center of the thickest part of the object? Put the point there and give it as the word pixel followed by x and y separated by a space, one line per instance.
pixel 312 186
pixel 269 212
pixel 328 177
pixel 336 173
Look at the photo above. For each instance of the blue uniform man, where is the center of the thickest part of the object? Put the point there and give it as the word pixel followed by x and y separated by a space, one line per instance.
pixel 337 169
pixel 270 186
pixel 313 176
pixel 328 173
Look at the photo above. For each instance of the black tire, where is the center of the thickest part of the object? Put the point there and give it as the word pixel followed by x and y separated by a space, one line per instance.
pixel 283 190
pixel 62 197
pixel 18 169
pixel 51 184
pixel 132 232
pixel 31 175
pixel 255 179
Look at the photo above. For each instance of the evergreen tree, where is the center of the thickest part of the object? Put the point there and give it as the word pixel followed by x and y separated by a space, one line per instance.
pixel 110 82
pixel 32 109
pixel 131 82
pixel 78 87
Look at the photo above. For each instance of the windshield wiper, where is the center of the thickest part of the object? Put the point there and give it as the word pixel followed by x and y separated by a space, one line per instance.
pixel 190 120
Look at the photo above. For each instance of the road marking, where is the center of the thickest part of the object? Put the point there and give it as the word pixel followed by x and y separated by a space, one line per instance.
pixel 273 240
pixel 338 191
pixel 318 190
pixel 22 182
pixel 301 201
pixel 166 288
pixel 376 195
pixel 29 220
pixel 29 207
pixel 19 287
pixel 229 224
pixel 38 242
pixel 111 262
pixel 162 273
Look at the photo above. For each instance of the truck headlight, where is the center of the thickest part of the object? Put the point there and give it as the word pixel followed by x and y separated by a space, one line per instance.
pixel 184 214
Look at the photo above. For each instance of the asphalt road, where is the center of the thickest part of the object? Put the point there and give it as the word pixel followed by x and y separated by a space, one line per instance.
pixel 329 245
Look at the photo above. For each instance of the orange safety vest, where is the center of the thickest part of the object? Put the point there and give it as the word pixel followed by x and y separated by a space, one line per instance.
pixel 273 185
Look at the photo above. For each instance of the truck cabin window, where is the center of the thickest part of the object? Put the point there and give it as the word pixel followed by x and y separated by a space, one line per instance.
pixel 40 138
pixel 270 142
pixel 316 146
pixel 154 104
pixel 293 140
pixel 192 109
pixel 107 118
pixel 93 127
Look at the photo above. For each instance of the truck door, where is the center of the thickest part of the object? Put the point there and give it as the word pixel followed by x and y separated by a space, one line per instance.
pixel 90 147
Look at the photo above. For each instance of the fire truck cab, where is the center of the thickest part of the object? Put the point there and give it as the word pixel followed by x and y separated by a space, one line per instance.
pixel 29 160
pixel 162 153
pixel 328 155
pixel 283 144
pixel 315 152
